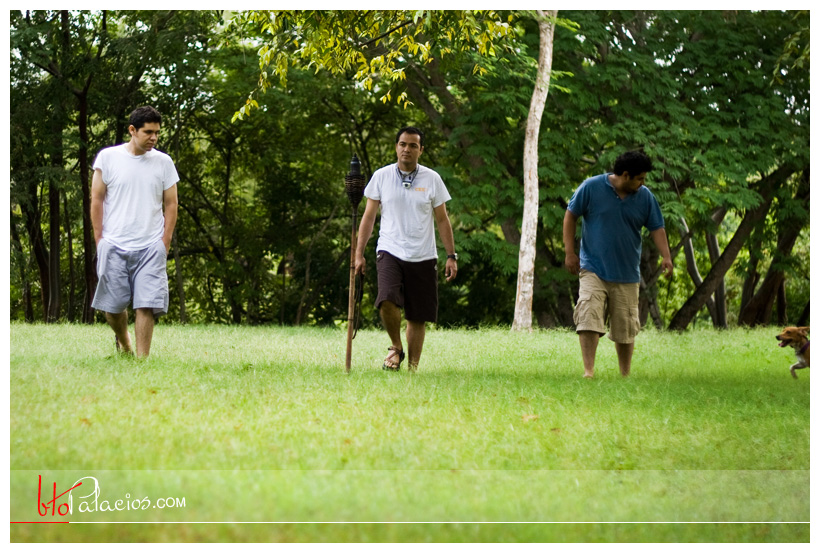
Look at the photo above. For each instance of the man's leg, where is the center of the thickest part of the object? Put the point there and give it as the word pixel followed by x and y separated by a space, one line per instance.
pixel 625 357
pixel 589 345
pixel 150 292
pixel 624 322
pixel 391 319
pixel 415 342
pixel 420 306
pixel 119 324
pixel 590 317
pixel 144 330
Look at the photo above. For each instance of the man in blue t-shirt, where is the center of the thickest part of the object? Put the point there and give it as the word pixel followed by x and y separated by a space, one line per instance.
pixel 615 207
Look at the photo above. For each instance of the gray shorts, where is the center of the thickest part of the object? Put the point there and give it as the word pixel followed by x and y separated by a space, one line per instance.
pixel 128 275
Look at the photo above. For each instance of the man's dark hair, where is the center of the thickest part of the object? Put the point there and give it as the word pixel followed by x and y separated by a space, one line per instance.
pixel 145 114
pixel 634 163
pixel 411 130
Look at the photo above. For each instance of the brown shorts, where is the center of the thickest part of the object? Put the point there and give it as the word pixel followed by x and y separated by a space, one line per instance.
pixel 408 284
pixel 598 298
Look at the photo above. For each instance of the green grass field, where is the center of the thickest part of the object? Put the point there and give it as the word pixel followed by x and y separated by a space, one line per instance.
pixel 497 438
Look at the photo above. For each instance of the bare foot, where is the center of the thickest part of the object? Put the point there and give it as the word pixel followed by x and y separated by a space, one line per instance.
pixel 123 349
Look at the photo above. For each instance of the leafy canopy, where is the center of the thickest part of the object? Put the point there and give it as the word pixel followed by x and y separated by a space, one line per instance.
pixel 367 46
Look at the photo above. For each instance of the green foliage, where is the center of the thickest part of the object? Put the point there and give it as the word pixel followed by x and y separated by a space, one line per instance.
pixel 370 47
pixel 795 56
pixel 694 89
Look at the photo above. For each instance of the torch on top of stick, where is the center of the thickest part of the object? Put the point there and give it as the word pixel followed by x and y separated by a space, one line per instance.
pixel 355 183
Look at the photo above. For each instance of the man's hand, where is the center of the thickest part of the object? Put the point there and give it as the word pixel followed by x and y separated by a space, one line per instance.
pixel 659 237
pixel 572 263
pixel 450 269
pixel 167 242
pixel 667 267
pixel 359 265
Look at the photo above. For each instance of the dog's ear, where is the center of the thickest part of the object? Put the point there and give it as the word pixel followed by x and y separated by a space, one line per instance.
pixel 804 330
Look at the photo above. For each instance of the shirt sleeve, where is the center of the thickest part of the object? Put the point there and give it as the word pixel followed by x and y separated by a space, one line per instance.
pixel 171 175
pixel 579 201
pixel 99 161
pixel 373 188
pixel 440 194
pixel 655 219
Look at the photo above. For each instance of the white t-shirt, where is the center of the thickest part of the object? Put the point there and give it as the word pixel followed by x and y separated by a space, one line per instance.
pixel 407 230
pixel 132 210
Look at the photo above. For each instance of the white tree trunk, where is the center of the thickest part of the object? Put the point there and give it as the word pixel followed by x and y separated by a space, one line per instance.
pixel 526 253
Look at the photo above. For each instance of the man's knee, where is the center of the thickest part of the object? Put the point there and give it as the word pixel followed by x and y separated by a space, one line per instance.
pixel 111 316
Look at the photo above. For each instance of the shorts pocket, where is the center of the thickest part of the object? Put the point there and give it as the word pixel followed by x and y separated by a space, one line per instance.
pixel 582 308
pixel 162 249
pixel 590 311
pixel 102 245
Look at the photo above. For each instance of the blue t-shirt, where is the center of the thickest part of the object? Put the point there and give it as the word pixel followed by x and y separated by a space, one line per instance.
pixel 611 235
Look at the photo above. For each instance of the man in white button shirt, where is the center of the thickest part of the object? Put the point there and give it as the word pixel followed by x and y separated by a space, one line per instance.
pixel 411 197
pixel 132 182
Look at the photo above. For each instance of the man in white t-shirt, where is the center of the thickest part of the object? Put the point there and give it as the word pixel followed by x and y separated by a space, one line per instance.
pixel 411 197
pixel 132 182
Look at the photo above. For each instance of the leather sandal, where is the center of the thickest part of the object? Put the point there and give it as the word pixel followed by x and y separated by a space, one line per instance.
pixel 390 358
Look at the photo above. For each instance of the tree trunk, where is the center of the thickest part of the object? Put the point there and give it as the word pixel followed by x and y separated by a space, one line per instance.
pixel 692 266
pixel 751 280
pixel 804 316
pixel 648 295
pixel 766 187
pixel 758 309
pixel 522 319
pixel 183 314
pixel 17 245
pixel 54 291
pixel 72 286
pixel 89 247
pixel 34 230
pixel 721 319
pixel 781 304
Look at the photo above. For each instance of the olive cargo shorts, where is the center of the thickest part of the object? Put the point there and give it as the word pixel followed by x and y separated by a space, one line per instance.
pixel 598 298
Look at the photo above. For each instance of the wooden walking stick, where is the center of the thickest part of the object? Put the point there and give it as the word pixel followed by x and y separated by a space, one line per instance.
pixel 354 187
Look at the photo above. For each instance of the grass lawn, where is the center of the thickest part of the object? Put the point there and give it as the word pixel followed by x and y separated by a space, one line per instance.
pixel 497 438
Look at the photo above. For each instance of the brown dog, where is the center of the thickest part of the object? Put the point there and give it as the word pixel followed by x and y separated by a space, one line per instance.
pixel 796 337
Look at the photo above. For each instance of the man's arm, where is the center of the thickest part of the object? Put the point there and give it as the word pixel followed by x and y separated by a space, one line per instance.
pixel 171 203
pixel 659 237
pixel 365 231
pixel 98 190
pixel 571 260
pixel 445 232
